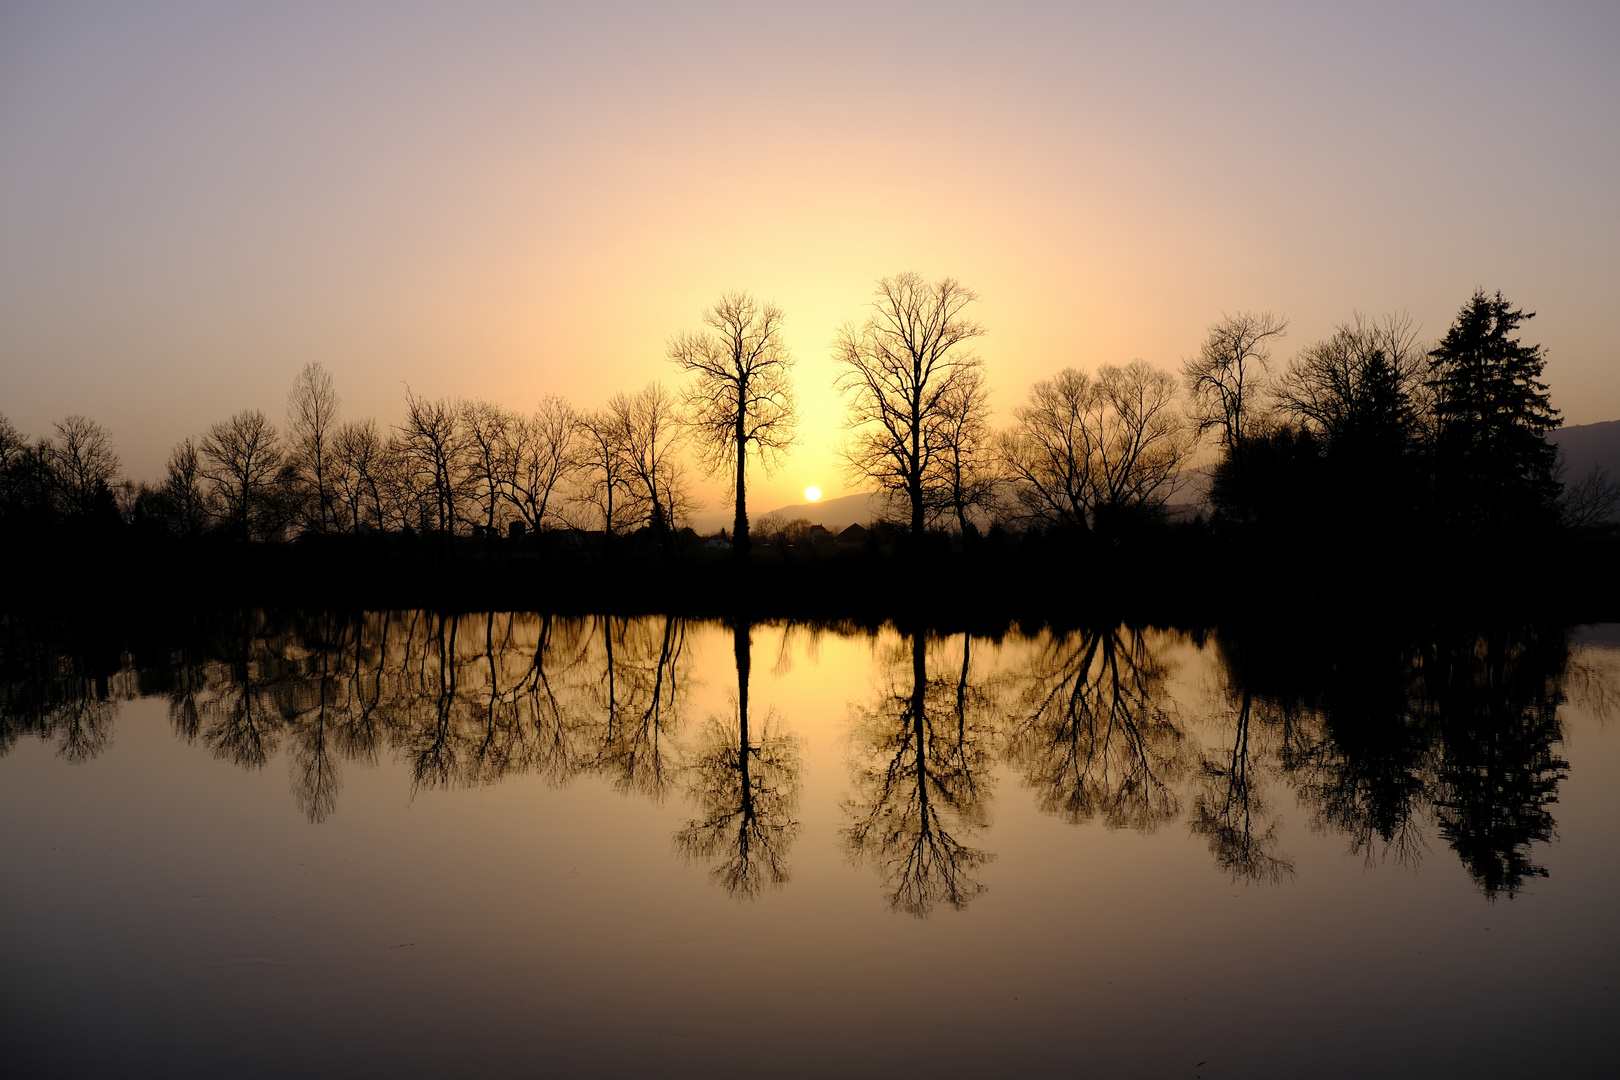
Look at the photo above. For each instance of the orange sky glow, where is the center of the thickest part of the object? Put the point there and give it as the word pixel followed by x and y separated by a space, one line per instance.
pixel 503 201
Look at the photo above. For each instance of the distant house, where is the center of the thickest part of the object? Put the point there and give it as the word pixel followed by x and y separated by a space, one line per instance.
pixel 819 536
pixel 718 543
pixel 853 537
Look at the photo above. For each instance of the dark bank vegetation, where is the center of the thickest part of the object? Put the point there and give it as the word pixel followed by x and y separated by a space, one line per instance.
pixel 1369 465
pixel 1405 740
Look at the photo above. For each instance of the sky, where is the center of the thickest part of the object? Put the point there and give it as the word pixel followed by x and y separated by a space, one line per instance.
pixel 502 201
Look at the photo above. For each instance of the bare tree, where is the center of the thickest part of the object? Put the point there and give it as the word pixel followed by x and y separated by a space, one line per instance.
pixel 408 500
pixel 487 431
pixel 1048 453
pixel 1226 380
pixel 966 476
pixel 242 460
pixel 312 415
pixel 897 368
pixel 432 448
pixel 743 397
pixel 1142 438
pixel 1366 381
pixel 85 463
pixel 604 469
pixel 540 457
pixel 357 475
pixel 183 490
pixel 650 438
pixel 14 456
pixel 1086 452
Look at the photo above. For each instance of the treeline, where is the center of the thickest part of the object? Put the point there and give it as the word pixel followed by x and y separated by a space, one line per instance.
pixel 1368 436
pixel 448 468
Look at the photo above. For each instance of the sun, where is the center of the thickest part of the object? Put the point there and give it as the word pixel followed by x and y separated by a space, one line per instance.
pixel 811 494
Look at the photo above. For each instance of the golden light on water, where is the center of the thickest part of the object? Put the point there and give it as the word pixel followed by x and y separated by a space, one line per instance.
pixel 811 494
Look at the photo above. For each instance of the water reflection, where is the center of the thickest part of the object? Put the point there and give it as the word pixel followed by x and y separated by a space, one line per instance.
pixel 1401 742
pixel 1096 737
pixel 924 749
pixel 746 787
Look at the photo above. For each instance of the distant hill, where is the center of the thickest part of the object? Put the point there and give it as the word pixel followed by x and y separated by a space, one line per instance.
pixel 834 514
pixel 1585 445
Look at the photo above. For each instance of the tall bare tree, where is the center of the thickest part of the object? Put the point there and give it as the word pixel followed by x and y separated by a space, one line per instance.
pixel 432 446
pixel 604 470
pixel 85 463
pixel 1365 383
pixel 358 474
pixel 1143 439
pixel 1086 452
pixel 966 476
pixel 13 455
pixel 1048 453
pixel 183 490
pixel 1226 380
pixel 897 369
pixel 650 439
pixel 743 397
pixel 540 457
pixel 242 460
pixel 312 416
pixel 487 430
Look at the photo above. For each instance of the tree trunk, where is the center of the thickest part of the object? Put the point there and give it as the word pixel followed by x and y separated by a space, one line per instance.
pixel 739 523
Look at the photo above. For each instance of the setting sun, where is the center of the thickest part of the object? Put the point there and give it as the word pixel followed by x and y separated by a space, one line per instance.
pixel 811 494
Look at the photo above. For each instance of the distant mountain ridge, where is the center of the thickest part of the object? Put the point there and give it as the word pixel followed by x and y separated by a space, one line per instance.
pixel 1586 445
pixel 832 514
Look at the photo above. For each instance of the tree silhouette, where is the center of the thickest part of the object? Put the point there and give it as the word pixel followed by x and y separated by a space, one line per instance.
pixel 1232 814
pixel 1493 464
pixel 312 415
pixel 1096 739
pixel 921 785
pixel 897 371
pixel 1094 452
pixel 242 461
pixel 1496 699
pixel 743 397
pixel 966 475
pixel 85 465
pixel 745 783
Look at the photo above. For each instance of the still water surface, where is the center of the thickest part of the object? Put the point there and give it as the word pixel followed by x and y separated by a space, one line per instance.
pixel 512 845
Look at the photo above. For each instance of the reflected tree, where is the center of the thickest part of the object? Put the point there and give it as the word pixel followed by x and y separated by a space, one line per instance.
pixel 1231 811
pixel 921 782
pixel 1496 700
pixel 745 783
pixel 1096 739
pixel 642 697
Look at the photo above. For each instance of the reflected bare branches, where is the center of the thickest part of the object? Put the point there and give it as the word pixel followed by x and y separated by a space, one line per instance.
pixel 922 777
pixel 745 784
pixel 1231 811
pixel 1400 742
pixel 1096 737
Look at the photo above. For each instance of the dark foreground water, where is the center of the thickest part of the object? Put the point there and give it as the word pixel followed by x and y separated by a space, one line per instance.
pixel 507 845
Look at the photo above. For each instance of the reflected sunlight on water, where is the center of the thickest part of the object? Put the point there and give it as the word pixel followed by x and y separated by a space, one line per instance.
pixel 516 842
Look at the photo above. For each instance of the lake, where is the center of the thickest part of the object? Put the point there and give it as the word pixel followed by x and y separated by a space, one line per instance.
pixel 411 844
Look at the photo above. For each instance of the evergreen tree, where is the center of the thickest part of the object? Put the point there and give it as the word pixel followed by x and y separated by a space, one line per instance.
pixel 1493 465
